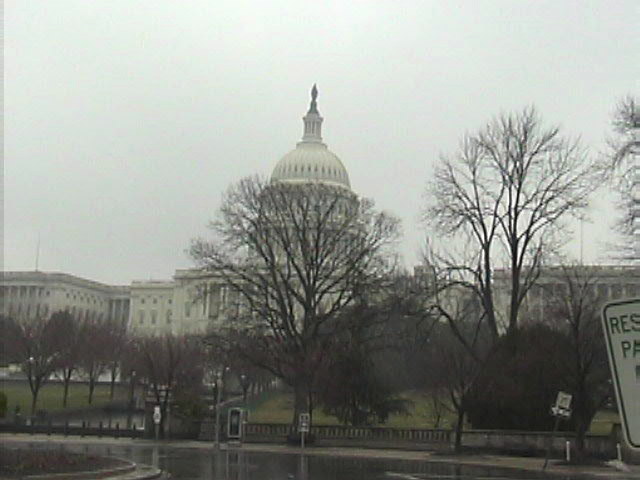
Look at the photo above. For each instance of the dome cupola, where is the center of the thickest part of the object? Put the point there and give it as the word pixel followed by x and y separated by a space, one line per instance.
pixel 311 160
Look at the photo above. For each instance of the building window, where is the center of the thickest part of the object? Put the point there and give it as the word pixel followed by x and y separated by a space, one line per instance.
pixel 142 301
pixel 603 291
pixel 187 309
pixel 155 300
pixel 616 291
pixel 169 301
pixel 168 316
pixel 154 316
pixel 141 315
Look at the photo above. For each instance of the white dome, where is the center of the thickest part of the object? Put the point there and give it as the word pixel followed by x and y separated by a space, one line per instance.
pixel 311 161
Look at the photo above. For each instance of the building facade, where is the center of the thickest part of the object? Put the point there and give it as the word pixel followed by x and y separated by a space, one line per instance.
pixel 606 282
pixel 29 295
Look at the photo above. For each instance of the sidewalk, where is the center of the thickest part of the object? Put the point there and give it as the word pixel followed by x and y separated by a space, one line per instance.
pixel 498 461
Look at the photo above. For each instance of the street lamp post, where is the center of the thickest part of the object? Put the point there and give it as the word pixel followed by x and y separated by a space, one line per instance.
pixel 30 363
pixel 132 386
pixel 218 391
pixel 219 387
pixel 244 385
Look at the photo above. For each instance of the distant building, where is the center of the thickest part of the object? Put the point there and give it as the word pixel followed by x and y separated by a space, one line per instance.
pixel 35 294
pixel 190 303
pixel 609 282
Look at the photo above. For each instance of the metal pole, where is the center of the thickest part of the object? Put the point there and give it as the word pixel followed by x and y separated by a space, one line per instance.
pixel 217 441
pixel 553 435
pixel 131 394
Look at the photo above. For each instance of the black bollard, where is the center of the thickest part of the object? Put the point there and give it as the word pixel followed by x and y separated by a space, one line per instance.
pixel 49 426
pixel 82 431
pixel 66 428
pixel 100 429
pixel 117 429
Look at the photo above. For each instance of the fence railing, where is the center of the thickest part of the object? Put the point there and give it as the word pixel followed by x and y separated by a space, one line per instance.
pixel 261 431
pixel 99 429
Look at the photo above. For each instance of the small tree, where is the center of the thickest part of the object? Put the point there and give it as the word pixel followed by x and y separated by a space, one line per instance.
pixel 520 379
pixel 115 339
pixel 68 339
pixel 350 384
pixel 95 353
pixel 169 363
pixel 33 342
pixel 575 306
pixel 457 358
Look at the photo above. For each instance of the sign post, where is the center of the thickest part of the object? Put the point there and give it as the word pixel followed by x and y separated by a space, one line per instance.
pixel 303 426
pixel 157 416
pixel 621 325
pixel 562 411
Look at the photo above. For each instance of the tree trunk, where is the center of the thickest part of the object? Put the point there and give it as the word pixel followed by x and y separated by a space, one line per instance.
pixel 92 386
pixel 34 400
pixel 301 403
pixel 582 426
pixel 65 394
pixel 113 382
pixel 459 425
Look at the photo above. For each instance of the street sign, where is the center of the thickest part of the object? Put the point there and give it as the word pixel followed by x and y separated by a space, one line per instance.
pixel 303 423
pixel 156 415
pixel 562 407
pixel 621 325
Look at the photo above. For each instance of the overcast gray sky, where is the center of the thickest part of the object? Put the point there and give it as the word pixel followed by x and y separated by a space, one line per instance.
pixel 125 121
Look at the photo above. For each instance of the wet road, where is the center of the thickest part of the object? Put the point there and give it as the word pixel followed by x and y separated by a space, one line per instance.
pixel 197 464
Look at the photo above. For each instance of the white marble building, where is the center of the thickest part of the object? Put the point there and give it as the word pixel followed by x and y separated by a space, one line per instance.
pixel 28 295
pixel 608 282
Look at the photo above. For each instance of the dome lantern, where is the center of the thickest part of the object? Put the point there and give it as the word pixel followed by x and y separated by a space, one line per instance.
pixel 312 120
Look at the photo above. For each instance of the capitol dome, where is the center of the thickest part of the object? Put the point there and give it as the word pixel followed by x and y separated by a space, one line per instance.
pixel 311 161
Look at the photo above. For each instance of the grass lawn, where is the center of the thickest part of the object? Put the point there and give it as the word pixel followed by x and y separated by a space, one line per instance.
pixel 603 422
pixel 50 396
pixel 277 407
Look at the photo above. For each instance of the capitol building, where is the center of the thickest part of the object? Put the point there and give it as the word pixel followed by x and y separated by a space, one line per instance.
pixel 193 301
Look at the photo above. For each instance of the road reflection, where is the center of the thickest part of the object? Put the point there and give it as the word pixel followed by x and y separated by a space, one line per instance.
pixel 237 464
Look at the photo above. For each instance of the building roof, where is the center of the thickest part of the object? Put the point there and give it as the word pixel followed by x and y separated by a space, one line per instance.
pixel 38 277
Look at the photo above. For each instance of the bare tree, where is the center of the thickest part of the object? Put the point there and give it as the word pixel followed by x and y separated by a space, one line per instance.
pixel 506 193
pixel 168 363
pixel 575 307
pixel 33 343
pixel 296 256
pixel 622 170
pixel 95 353
pixel 68 343
pixel 115 340
pixel 454 371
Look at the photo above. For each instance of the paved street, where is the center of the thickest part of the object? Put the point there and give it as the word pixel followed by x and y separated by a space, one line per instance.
pixel 197 460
